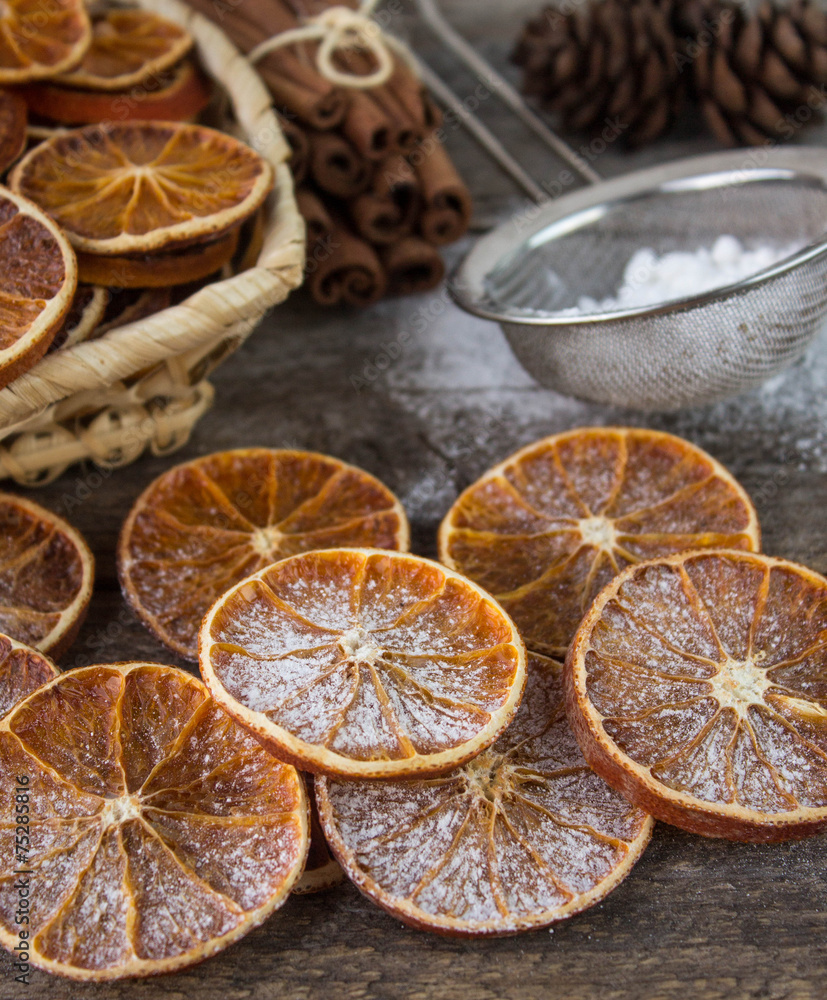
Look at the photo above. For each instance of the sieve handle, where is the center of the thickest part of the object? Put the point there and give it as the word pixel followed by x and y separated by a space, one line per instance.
pixel 498 85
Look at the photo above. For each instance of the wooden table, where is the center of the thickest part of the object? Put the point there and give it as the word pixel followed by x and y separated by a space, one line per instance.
pixel 697 918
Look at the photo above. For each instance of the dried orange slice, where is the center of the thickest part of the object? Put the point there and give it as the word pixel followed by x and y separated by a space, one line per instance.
pixel 22 670
pixel 322 871
pixel 158 270
pixel 204 525
pixel 141 187
pixel 128 47
pixel 363 663
pixel 38 278
pixel 40 39
pixel 178 94
pixel 159 830
pixel 697 686
pixel 550 526
pixel 519 838
pixel 46 575
pixel 13 122
pixel 85 314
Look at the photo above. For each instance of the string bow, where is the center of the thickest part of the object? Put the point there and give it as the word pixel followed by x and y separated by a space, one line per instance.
pixel 339 29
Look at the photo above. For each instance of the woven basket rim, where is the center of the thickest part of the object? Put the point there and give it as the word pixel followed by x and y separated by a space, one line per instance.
pixel 226 308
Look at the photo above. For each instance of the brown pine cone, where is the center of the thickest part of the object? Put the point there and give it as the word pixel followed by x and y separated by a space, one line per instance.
pixel 760 77
pixel 612 62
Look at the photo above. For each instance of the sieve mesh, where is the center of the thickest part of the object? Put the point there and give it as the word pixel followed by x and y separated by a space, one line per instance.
pixel 689 353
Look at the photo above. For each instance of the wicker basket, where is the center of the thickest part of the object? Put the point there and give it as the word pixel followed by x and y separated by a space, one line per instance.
pixel 144 385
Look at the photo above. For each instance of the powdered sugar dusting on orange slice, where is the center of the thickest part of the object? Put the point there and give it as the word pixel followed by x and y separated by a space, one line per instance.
pixel 161 831
pixel 547 529
pixel 364 662
pixel 697 685
pixel 523 835
pixel 207 524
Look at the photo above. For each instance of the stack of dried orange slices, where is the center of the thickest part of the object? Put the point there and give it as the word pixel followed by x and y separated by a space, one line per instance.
pixel 146 203
pixel 140 200
pixel 138 66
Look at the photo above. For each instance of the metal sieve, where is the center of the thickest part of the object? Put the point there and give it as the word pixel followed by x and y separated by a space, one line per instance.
pixel 676 354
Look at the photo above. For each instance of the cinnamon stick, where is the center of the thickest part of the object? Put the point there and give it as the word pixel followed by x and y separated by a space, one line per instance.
pixel 316 217
pixel 447 201
pixel 335 165
pixel 379 219
pixel 412 266
pixel 297 86
pixel 341 268
pixel 299 143
pixel 387 213
pixel 368 127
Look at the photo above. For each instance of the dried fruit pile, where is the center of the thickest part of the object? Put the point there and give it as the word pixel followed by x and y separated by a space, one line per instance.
pixel 145 202
pixel 464 784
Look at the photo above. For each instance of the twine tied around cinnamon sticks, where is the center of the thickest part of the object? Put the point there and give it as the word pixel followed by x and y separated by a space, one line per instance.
pixel 377 189
pixel 337 29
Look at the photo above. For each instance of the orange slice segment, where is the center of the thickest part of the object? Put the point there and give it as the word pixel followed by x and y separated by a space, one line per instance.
pixel 549 527
pixel 160 831
pixel 697 686
pixel 40 39
pixel 13 122
pixel 362 663
pixel 178 94
pixel 46 575
pixel 140 187
pixel 128 47
pixel 519 838
pixel 38 278
pixel 22 670
pixel 202 526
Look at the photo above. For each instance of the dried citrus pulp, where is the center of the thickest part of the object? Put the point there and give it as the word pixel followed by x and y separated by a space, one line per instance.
pixel 144 187
pixel 127 48
pixel 364 663
pixel 204 525
pixel 46 575
pixel 524 835
pixel 13 119
pixel 22 670
pixel 696 686
pixel 38 278
pixel 40 39
pixel 550 526
pixel 160 831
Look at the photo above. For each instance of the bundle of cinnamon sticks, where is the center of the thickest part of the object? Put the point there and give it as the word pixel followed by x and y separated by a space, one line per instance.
pixel 377 189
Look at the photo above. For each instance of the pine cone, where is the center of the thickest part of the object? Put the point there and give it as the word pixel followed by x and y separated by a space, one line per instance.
pixel 761 76
pixel 613 61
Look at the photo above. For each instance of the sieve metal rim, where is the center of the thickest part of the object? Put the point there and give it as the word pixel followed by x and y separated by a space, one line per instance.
pixel 466 283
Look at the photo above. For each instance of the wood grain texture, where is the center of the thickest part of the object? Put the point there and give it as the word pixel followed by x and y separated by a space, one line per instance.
pixel 427 398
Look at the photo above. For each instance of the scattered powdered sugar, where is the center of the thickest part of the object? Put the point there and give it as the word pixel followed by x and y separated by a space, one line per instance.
pixel 650 278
